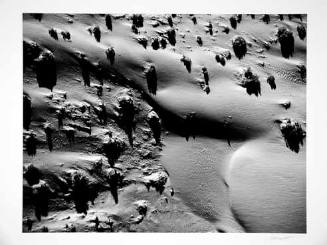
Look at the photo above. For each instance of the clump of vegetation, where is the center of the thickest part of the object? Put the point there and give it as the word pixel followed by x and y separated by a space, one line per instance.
pixel 108 22
pixel 81 191
pixel 46 72
pixel 271 82
pixel 110 53
pixel 115 179
pixel 97 33
pixel 30 144
pixel 142 207
pixel 65 35
pixel 156 180
pixel 286 40
pixel 303 71
pixel 226 29
pixel 220 59
pixel 292 133
pixel 85 68
pixel 32 174
pixel 210 28
pixel 155 43
pixel 154 123
pixel 251 82
pixel 41 195
pixel 187 62
pixel 301 31
pixel 151 78
pixel 170 21
pixel 126 113
pixel 143 41
pixel 37 16
pixel 163 42
pixel 31 50
pixel 266 18
pixel 199 40
pixel 205 75
pixel 239 46
pixel 113 147
pixel 171 33
pixel 194 20
pixel 190 124
pixel 233 22
pixel 239 18
pixel 27 111
pixel 53 33
pixel 134 29
pixel 137 20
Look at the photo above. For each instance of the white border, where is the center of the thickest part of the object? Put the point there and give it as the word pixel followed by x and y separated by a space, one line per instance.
pixel 11 118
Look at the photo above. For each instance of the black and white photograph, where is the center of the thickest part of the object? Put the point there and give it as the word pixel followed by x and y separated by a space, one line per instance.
pixel 163 122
